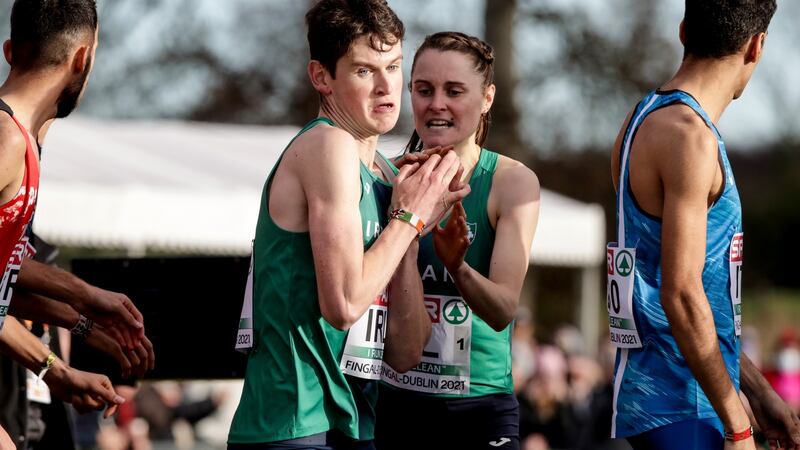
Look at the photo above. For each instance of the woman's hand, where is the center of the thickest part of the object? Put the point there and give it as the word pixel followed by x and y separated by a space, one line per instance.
pixel 452 241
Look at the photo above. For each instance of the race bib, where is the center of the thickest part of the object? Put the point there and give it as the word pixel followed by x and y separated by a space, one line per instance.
pixel 244 337
pixel 444 368
pixel 363 351
pixel 619 294
pixel 735 258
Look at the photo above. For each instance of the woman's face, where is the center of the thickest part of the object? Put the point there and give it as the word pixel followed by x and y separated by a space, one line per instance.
pixel 448 98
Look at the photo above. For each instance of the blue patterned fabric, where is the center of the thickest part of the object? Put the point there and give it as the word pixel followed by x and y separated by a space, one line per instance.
pixel 653 384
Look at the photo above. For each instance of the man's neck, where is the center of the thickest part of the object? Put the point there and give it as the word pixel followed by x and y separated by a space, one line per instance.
pixel 712 82
pixel 367 143
pixel 33 99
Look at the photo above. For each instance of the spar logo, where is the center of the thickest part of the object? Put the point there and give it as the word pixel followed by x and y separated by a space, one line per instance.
pixel 624 263
pixel 455 311
pixel 737 247
pixel 434 307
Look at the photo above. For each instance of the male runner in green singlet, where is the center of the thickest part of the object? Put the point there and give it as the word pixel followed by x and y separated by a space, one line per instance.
pixel 325 249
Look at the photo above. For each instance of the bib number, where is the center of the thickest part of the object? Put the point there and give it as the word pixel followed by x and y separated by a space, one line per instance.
pixel 445 365
pixel 363 351
pixel 735 258
pixel 244 336
pixel 621 263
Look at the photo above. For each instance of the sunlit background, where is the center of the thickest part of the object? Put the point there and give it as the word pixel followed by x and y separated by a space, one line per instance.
pixel 191 102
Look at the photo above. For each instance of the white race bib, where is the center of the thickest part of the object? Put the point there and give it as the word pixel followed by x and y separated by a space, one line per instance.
pixel 363 351
pixel 445 360
pixel 735 258
pixel 244 337
pixel 621 263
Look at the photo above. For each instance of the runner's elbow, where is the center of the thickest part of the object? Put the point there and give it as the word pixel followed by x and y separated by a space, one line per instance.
pixel 682 301
pixel 503 316
pixel 338 313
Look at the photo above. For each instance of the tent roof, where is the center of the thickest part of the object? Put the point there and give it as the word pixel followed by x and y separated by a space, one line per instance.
pixel 195 188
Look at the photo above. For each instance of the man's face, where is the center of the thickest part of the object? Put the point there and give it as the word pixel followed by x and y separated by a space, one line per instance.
pixel 368 87
pixel 71 95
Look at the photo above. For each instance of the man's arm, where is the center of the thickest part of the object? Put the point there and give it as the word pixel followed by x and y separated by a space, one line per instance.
pixel 86 391
pixel 43 310
pixel 409 326
pixel 687 162
pixel 775 418
pixel 113 310
pixel 495 299
pixel 34 307
pixel 348 279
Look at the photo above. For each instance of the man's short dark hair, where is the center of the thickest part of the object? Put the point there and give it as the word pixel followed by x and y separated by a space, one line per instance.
pixel 333 25
pixel 719 28
pixel 44 31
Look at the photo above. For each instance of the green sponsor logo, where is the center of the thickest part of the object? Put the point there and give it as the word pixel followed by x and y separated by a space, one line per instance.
pixel 438 369
pixel 3 310
pixel 245 323
pixel 737 309
pixel 364 352
pixel 619 322
pixel 455 311
pixel 624 263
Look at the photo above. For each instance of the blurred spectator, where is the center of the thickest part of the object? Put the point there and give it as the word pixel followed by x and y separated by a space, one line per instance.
pixel 751 345
pixel 168 411
pixel 544 410
pixel 787 368
pixel 523 349
pixel 566 404
pixel 570 340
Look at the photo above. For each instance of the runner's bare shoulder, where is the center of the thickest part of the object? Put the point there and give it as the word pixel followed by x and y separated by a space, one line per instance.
pixel 677 133
pixel 322 149
pixel 12 150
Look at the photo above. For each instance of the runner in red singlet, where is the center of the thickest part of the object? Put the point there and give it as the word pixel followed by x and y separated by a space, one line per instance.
pixel 50 53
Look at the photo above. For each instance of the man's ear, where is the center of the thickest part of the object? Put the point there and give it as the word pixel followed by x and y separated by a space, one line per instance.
pixel 755 48
pixel 320 77
pixel 80 59
pixel 7 50
pixel 682 33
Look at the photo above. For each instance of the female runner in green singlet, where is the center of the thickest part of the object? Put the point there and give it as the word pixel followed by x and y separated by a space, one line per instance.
pixel 472 266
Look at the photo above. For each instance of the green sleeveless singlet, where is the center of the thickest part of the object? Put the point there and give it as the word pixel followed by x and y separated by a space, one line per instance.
pixel 465 357
pixel 295 385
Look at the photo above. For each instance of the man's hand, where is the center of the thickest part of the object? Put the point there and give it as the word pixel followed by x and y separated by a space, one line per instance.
pixel 426 190
pixel 133 362
pixel 420 157
pixel 452 242
pixel 776 421
pixel 116 313
pixel 86 391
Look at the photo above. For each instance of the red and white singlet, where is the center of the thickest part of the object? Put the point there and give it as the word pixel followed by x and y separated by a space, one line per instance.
pixel 15 215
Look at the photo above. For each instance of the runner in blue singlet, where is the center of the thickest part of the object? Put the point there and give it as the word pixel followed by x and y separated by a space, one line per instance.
pixel 674 276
